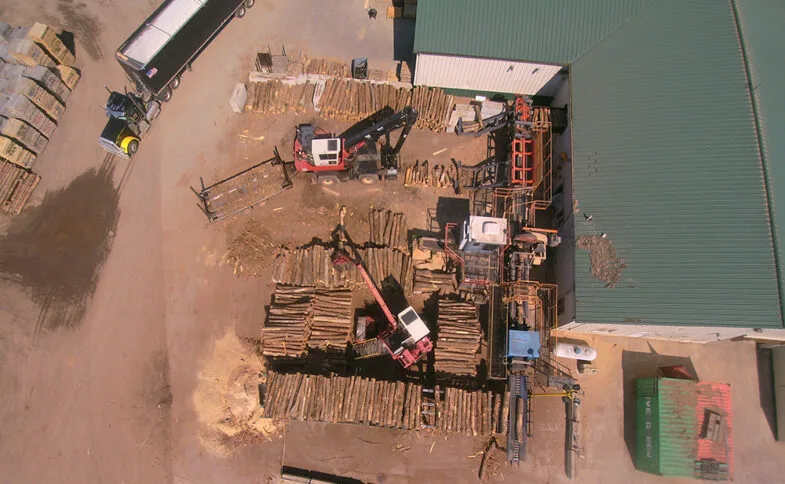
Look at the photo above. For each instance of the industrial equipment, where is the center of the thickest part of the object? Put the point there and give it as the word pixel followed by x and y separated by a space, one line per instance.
pixel 406 338
pixel 154 57
pixel 352 154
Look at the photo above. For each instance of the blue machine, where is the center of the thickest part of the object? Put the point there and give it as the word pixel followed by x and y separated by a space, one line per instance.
pixel 523 344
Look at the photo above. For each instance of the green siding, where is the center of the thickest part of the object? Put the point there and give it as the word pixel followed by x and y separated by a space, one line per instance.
pixel 760 23
pixel 666 161
pixel 550 32
pixel 666 426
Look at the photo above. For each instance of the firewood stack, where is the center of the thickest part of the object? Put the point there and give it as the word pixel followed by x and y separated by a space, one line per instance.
pixel 426 281
pixel 331 323
pixel 276 97
pixel 352 100
pixel 338 399
pixel 472 412
pixel 458 338
pixel 286 329
pixel 424 174
pixel 16 186
pixel 311 266
pixel 388 229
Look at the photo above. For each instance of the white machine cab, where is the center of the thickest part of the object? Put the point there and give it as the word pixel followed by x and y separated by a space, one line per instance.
pixel 483 234
pixel 414 325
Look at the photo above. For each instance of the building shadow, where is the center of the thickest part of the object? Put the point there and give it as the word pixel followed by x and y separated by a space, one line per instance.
pixel 643 365
pixel 403 41
pixel 451 210
pixel 766 386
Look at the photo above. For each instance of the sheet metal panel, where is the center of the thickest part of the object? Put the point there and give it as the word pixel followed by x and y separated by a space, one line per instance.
pixel 687 334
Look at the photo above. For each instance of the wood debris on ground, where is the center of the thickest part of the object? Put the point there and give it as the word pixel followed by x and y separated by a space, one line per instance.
pixel 458 338
pixel 388 229
pixel 425 174
pixel 312 265
pixel 250 253
pixel 16 187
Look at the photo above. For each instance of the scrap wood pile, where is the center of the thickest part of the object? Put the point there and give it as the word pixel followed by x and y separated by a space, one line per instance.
pixel 436 175
pixel 458 338
pixel 331 323
pixel 16 187
pixel 351 100
pixel 343 400
pixel 286 329
pixel 311 266
pixel 470 412
pixel 388 229
pixel 276 97
pixel 426 281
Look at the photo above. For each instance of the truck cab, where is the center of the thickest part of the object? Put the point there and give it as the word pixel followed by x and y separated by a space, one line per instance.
pixel 129 117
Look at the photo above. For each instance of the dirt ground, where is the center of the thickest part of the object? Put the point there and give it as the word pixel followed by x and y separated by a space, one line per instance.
pixel 115 291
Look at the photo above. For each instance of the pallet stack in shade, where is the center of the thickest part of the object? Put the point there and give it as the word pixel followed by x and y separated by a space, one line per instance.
pixel 36 79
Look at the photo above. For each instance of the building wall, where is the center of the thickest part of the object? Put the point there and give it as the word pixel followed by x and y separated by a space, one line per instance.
pixel 481 74
pixel 687 334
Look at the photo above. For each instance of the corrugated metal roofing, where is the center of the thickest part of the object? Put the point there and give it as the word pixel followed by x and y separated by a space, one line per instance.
pixel 760 23
pixel 666 162
pixel 554 31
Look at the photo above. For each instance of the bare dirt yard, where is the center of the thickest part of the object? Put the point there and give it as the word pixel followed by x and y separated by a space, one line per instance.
pixel 122 323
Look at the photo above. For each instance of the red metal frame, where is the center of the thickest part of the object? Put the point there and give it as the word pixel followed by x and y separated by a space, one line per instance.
pixel 522 150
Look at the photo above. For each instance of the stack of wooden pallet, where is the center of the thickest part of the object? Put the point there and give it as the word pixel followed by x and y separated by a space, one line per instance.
pixel 36 79
pixel 16 186
pixel 458 338
pixel 388 229
pixel 343 400
pixel 312 266
pixel 470 412
pixel 426 281
pixel 331 321
pixel 351 100
pixel 277 97
pixel 286 329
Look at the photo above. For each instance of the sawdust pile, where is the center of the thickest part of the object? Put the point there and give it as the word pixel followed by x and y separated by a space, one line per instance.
pixel 605 266
pixel 226 399
pixel 251 252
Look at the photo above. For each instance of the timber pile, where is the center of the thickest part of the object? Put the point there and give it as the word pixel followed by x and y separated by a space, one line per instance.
pixel 276 97
pixel 458 338
pixel 331 321
pixel 426 281
pixel 541 118
pixel 16 187
pixel 338 399
pixel 327 67
pixel 388 229
pixel 311 266
pixel 351 100
pixel 472 412
pixel 286 329
pixel 426 175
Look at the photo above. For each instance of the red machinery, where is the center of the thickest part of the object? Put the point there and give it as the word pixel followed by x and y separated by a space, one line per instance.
pixel 339 158
pixel 406 342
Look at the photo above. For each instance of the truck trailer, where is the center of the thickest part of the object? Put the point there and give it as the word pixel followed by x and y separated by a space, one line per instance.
pixel 155 56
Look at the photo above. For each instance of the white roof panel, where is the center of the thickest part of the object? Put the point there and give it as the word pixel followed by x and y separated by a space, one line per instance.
pixel 175 15
pixel 146 45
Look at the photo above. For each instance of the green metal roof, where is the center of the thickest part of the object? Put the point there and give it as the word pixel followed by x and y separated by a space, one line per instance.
pixel 666 162
pixel 665 426
pixel 551 32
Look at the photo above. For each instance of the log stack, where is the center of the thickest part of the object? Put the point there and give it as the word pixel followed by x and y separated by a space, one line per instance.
pixel 337 399
pixel 331 320
pixel 311 266
pixel 468 412
pixel 427 281
pixel 423 173
pixel 388 229
pixel 285 331
pixel 277 97
pixel 458 338
pixel 16 187
pixel 327 67
pixel 352 100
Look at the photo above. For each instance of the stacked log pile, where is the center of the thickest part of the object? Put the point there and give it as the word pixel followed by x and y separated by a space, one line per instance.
pixel 458 338
pixel 327 67
pixel 426 281
pixel 286 329
pixel 16 187
pixel 276 97
pixel 424 174
pixel 331 321
pixel 311 266
pixel 388 229
pixel 351 100
pixel 343 400
pixel 472 412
